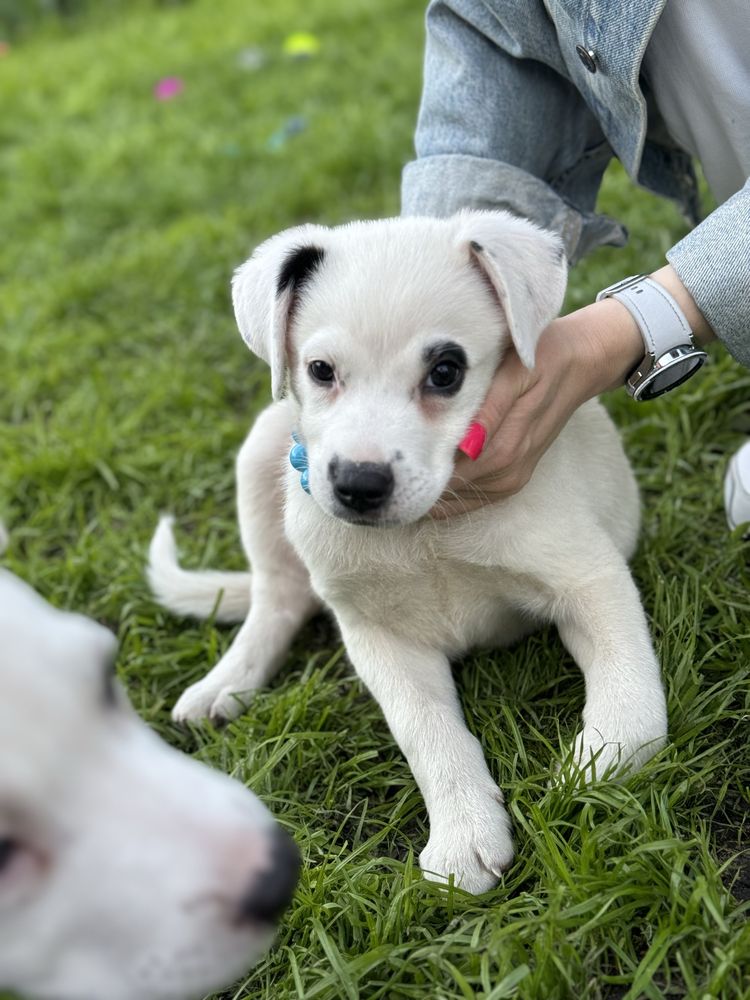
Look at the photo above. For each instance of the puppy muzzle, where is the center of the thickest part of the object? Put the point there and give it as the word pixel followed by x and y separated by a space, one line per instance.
pixel 361 487
pixel 271 892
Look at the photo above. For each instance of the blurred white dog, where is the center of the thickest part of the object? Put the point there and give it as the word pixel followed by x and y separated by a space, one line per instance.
pixel 384 337
pixel 127 870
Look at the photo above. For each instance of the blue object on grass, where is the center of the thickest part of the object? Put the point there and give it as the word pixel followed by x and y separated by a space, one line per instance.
pixel 291 127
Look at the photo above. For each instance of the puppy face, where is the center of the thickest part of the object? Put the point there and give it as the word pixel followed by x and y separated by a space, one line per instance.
pixel 387 336
pixel 126 868
pixel 388 370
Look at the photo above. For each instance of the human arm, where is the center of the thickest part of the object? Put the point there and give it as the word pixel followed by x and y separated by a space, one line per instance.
pixel 595 348
pixel 578 356
pixel 483 141
pixel 483 137
pixel 712 263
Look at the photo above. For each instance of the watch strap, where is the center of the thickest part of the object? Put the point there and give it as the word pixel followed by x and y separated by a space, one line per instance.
pixel 661 321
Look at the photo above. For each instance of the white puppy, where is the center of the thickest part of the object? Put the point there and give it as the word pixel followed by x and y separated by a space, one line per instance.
pixel 384 337
pixel 127 870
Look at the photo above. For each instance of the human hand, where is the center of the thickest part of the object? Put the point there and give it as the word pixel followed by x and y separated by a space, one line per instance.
pixel 578 356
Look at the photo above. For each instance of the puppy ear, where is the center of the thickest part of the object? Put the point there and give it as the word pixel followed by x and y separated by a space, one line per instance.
pixel 266 288
pixel 525 266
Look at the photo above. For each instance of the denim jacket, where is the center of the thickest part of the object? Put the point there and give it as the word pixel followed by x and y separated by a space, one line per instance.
pixel 523 106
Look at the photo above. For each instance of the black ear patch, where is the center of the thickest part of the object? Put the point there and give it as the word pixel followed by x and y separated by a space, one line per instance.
pixel 299 265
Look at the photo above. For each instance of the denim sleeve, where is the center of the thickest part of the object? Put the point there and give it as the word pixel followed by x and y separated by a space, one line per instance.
pixel 713 263
pixel 498 130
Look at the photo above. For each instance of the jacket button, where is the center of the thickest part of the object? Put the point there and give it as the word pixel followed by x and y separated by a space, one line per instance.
pixel 587 57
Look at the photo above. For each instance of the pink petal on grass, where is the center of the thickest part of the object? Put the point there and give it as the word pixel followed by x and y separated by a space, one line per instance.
pixel 168 88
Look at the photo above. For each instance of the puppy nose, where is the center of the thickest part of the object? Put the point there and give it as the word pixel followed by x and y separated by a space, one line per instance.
pixel 272 890
pixel 361 486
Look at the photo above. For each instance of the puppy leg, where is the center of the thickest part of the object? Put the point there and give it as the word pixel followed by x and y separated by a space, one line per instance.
pixel 281 599
pixel 469 828
pixel 603 624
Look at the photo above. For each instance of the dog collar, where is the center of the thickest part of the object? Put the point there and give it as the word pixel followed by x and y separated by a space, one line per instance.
pixel 298 461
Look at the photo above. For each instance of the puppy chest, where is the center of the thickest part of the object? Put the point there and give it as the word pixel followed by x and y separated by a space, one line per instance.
pixel 440 604
pixel 403 579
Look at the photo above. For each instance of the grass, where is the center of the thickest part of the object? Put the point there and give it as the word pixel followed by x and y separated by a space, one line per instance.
pixel 126 391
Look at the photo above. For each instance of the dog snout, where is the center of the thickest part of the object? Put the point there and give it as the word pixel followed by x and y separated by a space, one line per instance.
pixel 361 486
pixel 272 889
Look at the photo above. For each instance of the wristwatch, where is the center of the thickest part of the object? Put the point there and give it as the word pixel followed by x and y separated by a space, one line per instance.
pixel 671 355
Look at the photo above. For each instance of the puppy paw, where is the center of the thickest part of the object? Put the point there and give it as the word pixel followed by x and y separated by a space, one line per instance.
pixel 208 700
pixel 229 703
pixel 195 702
pixel 599 754
pixel 476 848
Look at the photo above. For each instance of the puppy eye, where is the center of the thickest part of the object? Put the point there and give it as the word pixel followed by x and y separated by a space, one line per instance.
pixel 320 371
pixel 9 847
pixel 445 377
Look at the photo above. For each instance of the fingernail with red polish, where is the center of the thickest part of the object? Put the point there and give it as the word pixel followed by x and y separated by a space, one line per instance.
pixel 473 441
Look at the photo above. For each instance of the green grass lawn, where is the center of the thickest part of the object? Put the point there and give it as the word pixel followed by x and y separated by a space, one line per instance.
pixel 126 391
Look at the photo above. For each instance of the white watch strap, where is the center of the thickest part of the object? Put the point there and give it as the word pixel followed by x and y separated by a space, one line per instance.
pixel 659 318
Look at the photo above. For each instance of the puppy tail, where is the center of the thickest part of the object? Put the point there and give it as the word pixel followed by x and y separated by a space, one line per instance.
pixel 198 593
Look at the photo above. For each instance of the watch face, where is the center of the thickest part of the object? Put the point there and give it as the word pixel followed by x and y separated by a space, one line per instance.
pixel 671 370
